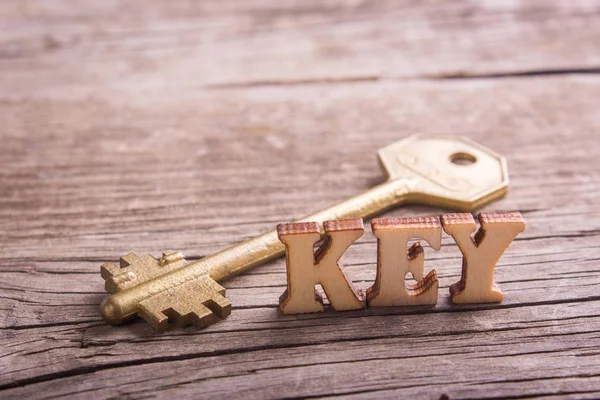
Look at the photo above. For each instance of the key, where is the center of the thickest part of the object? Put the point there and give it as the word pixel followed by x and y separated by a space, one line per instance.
pixel 452 173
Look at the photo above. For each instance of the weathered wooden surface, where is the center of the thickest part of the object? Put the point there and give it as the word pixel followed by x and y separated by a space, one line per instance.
pixel 152 125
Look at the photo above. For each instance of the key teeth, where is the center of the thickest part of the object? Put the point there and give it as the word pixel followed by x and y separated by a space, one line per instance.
pixel 157 320
pixel 133 270
pixel 219 305
pixel 203 316
pixel 128 259
pixel 200 302
pixel 108 270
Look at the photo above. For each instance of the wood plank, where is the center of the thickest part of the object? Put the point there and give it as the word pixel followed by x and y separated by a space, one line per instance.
pixel 526 272
pixel 151 189
pixel 520 344
pixel 146 126
pixel 84 47
pixel 62 343
pixel 79 206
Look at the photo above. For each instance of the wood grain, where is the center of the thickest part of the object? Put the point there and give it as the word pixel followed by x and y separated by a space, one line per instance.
pixel 191 127
pixel 124 45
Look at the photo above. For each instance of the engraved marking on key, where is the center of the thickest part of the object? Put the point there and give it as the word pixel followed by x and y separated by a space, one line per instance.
pixel 420 170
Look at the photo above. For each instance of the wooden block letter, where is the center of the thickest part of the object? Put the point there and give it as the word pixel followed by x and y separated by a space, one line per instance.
pixel 394 261
pixel 306 268
pixel 481 253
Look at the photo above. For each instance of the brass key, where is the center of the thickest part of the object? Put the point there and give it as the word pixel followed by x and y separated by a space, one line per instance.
pixel 453 173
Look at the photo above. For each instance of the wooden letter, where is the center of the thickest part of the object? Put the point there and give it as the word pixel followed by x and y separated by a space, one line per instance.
pixel 394 261
pixel 306 268
pixel 481 253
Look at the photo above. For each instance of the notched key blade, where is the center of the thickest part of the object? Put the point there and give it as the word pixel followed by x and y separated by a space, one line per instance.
pixel 200 302
pixel 133 270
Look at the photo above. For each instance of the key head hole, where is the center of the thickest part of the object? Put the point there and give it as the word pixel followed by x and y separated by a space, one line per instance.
pixel 463 159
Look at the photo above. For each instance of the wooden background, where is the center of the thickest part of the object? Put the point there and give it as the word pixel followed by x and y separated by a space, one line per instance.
pixel 151 125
